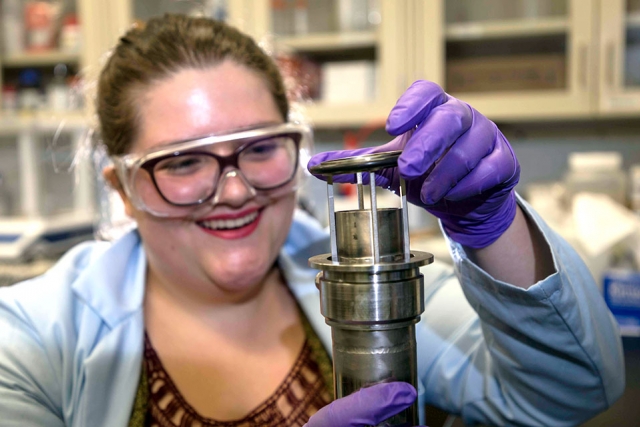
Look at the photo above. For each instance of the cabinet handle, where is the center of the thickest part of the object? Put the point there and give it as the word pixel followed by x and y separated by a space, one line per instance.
pixel 610 59
pixel 583 66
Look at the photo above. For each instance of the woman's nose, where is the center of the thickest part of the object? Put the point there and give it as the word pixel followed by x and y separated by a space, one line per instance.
pixel 233 189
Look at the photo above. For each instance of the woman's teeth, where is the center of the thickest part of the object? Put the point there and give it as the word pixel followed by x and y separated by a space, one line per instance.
pixel 228 224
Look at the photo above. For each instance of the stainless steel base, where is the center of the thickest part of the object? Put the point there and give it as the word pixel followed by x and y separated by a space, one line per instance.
pixel 365 357
pixel 372 310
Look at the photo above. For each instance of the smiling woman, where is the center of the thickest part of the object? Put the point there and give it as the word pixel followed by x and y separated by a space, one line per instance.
pixel 207 314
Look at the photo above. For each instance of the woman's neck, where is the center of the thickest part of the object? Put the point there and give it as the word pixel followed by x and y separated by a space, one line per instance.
pixel 169 304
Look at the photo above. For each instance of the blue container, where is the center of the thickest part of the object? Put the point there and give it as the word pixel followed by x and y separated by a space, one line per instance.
pixel 622 294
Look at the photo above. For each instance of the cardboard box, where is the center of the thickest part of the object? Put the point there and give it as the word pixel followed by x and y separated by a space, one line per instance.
pixel 622 294
pixel 512 73
pixel 348 82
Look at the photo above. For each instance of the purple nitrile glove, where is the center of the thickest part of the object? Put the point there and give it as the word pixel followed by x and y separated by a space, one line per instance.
pixel 367 406
pixel 457 164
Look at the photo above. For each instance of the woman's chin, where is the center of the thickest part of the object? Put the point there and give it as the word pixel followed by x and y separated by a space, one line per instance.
pixel 240 282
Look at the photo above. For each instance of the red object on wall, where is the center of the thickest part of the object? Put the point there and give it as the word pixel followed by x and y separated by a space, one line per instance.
pixel 353 140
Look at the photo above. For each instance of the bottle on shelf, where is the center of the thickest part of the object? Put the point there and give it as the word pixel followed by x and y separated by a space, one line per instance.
pixel 30 90
pixel 12 27
pixel 9 98
pixel 301 17
pixel 358 15
pixel 58 89
pixel 70 36
pixel 4 197
pixel 322 16
pixel 40 18
pixel 281 17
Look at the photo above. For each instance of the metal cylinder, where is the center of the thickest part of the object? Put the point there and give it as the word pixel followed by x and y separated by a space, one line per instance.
pixel 372 310
pixel 353 233
pixel 371 291
pixel 365 357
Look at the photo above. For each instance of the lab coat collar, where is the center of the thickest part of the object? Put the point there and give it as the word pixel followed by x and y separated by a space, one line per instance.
pixel 306 239
pixel 113 284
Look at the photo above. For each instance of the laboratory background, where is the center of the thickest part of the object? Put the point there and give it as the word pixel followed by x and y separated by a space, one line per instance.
pixel 561 78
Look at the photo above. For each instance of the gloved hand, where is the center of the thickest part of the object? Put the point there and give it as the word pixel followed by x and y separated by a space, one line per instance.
pixel 457 164
pixel 366 407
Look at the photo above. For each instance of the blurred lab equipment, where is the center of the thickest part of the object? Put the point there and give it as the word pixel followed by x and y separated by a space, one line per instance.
pixel 634 188
pixel 296 17
pixel 596 172
pixel 47 193
pixel 589 207
pixel 371 288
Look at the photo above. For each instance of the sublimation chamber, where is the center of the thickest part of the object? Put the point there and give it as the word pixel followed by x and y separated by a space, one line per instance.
pixel 371 288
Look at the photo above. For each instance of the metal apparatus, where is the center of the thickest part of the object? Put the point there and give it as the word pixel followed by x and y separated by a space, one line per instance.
pixel 371 288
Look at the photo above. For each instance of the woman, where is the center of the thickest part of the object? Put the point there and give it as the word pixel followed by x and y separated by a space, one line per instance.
pixel 206 314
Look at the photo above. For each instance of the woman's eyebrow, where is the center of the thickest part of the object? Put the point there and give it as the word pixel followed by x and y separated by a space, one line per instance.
pixel 169 144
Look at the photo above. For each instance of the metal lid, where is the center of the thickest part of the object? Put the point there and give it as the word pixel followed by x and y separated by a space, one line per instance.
pixel 366 163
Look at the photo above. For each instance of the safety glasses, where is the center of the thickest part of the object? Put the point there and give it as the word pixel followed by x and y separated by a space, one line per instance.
pixel 173 180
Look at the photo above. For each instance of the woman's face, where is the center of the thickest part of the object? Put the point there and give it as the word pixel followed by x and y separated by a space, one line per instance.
pixel 226 250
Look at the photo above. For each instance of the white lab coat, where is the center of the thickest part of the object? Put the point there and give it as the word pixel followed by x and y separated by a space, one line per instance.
pixel 71 341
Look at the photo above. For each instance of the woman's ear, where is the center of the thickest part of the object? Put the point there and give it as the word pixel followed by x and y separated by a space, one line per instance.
pixel 111 177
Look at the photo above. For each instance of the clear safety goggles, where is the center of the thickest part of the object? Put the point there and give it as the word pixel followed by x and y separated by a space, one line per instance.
pixel 176 179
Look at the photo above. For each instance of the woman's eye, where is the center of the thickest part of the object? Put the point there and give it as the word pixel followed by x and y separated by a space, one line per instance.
pixel 263 149
pixel 180 165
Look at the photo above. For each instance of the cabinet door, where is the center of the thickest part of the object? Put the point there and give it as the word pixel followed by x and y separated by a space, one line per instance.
pixel 511 59
pixel 620 57
pixel 109 20
pixel 103 22
pixel 40 60
pixel 351 55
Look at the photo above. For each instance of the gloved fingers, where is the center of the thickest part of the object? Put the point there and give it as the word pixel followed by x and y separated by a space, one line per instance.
pixel 499 168
pixel 462 157
pixel 383 179
pixel 414 106
pixel 367 406
pixel 336 154
pixel 434 137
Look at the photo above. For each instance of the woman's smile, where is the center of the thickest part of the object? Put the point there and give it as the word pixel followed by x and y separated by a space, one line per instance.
pixel 232 225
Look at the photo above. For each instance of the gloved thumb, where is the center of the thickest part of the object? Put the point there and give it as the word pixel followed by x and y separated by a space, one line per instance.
pixel 366 407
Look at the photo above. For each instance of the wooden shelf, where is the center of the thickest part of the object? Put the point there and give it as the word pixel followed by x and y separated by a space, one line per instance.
pixel 329 41
pixel 504 29
pixel 33 59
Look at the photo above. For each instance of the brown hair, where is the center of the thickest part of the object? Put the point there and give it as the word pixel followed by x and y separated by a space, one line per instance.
pixel 166 45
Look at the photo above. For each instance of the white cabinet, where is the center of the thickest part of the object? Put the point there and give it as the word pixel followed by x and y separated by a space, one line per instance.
pixel 511 59
pixel 619 80
pixel 372 52
pixel 376 51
